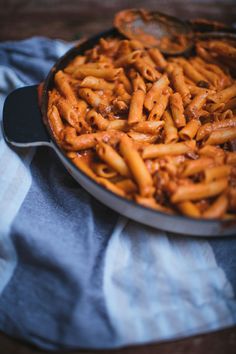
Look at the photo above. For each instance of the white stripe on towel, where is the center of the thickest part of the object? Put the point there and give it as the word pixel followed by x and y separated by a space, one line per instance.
pixel 161 287
pixel 15 181
pixel 15 178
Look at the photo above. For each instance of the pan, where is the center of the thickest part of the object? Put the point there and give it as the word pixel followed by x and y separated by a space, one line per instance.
pixel 25 124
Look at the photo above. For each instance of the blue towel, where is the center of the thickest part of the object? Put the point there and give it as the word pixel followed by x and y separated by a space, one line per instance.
pixel 73 273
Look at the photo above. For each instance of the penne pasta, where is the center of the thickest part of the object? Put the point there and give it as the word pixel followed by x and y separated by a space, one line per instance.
pixel 127 185
pixel 195 90
pixel 192 167
pixel 217 172
pixel 231 158
pixel 147 58
pixel 53 97
pixel 112 187
pixel 210 76
pixel 170 131
pixel 135 44
pixel 189 209
pixel 221 136
pixel 108 74
pixel 91 97
pixel 137 81
pixel 217 209
pixel 122 93
pixel 103 170
pixel 190 71
pixel 231 104
pixel 177 110
pixel 208 128
pixel 190 129
pixel 194 107
pixel 159 108
pixel 155 92
pixel 55 122
pixel 224 95
pixel 215 107
pixel 146 70
pixel 68 112
pixel 137 167
pixel 77 61
pixel 222 47
pixel 141 137
pixel 125 81
pixel 159 150
pixel 225 115
pixel 112 158
pixel 136 107
pixel 95 83
pixel 152 203
pixel 96 120
pixel 158 58
pixel 81 109
pixel 88 141
pixel 118 124
pixel 148 127
pixel 81 164
pixel 178 82
pixel 214 152
pixel 198 191
pixel 62 82
pixel 119 105
pixel 128 58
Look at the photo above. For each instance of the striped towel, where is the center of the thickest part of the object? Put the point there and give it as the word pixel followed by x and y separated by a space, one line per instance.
pixel 73 273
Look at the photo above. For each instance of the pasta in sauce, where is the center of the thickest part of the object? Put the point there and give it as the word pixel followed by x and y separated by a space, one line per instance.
pixel 152 129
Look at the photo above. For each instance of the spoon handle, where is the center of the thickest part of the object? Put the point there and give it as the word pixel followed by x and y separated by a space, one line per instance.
pixel 202 25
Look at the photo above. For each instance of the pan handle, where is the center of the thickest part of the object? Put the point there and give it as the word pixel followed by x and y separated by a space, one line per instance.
pixel 22 119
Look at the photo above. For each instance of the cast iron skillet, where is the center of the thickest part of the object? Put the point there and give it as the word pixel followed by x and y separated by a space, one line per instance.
pixel 25 124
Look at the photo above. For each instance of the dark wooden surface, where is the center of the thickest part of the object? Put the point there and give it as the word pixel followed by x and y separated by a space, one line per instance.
pixel 70 19
pixel 221 342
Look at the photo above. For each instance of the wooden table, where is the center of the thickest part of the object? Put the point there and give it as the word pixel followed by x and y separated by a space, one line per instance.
pixel 77 18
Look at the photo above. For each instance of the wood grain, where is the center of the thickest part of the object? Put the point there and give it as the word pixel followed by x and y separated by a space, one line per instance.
pixel 221 342
pixel 71 19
